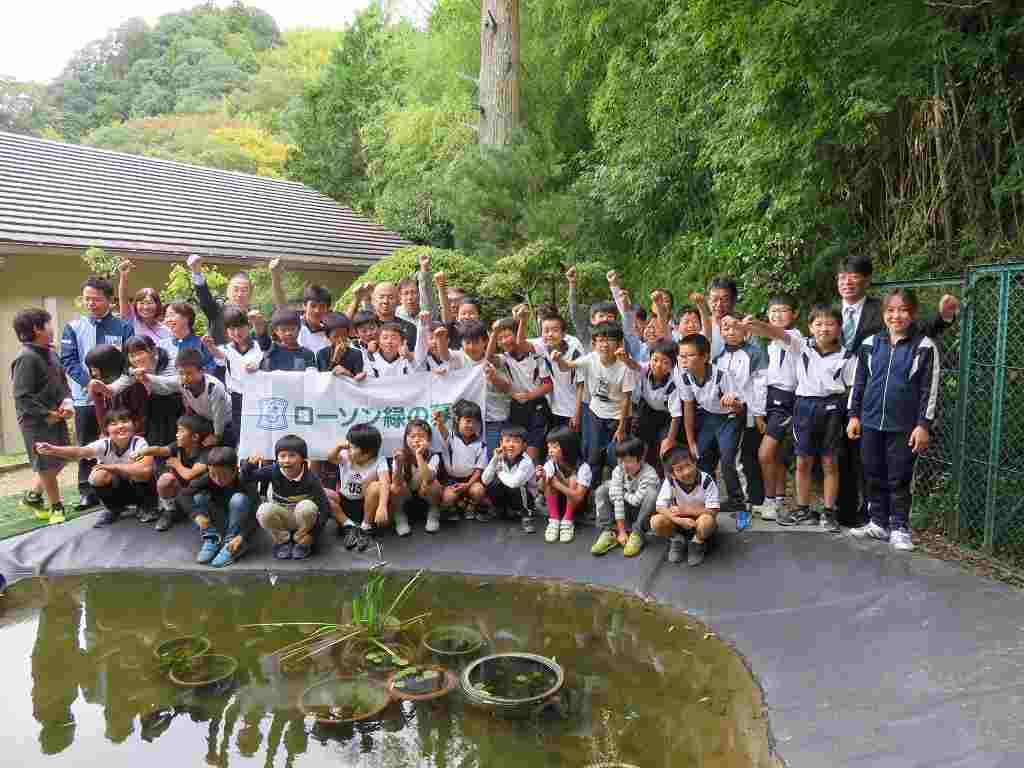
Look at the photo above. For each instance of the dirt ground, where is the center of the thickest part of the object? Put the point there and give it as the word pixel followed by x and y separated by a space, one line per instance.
pixel 20 480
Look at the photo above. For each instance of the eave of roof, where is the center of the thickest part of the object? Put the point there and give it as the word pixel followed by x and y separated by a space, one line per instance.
pixel 66 195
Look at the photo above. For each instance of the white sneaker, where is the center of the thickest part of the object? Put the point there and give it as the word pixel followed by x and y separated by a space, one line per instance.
pixel 551 532
pixel 567 532
pixel 770 509
pixel 870 531
pixel 900 541
pixel 402 523
pixel 433 520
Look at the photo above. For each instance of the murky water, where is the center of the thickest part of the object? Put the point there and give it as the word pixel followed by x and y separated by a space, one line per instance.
pixel 644 686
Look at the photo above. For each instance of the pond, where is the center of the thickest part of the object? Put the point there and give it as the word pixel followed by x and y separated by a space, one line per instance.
pixel 644 685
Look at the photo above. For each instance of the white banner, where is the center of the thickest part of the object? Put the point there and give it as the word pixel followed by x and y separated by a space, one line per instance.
pixel 321 408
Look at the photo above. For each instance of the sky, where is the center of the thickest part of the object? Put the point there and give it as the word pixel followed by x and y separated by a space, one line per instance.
pixel 37 38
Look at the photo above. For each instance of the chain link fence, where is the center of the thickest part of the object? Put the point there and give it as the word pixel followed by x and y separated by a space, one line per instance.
pixel 970 482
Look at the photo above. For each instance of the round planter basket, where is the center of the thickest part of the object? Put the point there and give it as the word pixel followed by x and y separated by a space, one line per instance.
pixel 453 642
pixel 345 700
pixel 181 649
pixel 512 685
pixel 204 671
pixel 446 681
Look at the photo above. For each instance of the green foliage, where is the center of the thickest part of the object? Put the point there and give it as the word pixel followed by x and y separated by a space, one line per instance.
pixel 187 62
pixel 24 107
pixel 211 140
pixel 535 274
pixel 353 88
pixel 102 263
pixel 460 271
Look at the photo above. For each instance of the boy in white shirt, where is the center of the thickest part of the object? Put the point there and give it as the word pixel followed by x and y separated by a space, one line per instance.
pixel 509 477
pixel 464 456
pixel 239 356
pixel 609 382
pixel 118 479
pixel 710 405
pixel 362 498
pixel 687 508
pixel 562 398
pixel 819 412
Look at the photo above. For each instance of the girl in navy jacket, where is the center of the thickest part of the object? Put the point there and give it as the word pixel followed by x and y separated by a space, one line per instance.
pixel 892 406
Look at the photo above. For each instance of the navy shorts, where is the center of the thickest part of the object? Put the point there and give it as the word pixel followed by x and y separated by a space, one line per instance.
pixel 533 417
pixel 819 425
pixel 778 420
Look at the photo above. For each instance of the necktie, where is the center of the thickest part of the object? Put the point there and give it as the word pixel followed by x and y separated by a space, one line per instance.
pixel 849 327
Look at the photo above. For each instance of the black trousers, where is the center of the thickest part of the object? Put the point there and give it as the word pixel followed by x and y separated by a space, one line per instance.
pixel 852 500
pixel 87 429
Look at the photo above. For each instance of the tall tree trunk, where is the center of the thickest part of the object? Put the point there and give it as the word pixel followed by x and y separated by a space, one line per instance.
pixel 499 71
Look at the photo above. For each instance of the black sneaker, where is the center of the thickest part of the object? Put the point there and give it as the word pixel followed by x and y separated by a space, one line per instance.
pixel 148 514
pixel 363 539
pixel 349 536
pixel 784 516
pixel 86 502
pixel 676 547
pixel 528 525
pixel 828 521
pixel 107 517
pixel 695 552
pixel 165 521
pixel 798 516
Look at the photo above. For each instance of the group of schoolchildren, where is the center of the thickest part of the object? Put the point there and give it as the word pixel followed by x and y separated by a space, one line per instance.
pixel 661 401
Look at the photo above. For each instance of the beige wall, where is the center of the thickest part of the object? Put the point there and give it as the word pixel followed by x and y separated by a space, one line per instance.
pixel 30 279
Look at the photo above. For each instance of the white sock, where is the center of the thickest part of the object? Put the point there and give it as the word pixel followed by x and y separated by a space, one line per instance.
pixel 348 524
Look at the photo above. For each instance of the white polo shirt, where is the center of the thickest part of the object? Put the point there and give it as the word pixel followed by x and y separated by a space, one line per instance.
pixel 707 395
pixel 562 398
pixel 660 397
pixel 819 375
pixel 352 478
pixel 460 458
pixel 704 491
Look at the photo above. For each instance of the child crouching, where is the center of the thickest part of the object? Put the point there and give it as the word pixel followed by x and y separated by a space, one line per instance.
pixel 296 507
pixel 221 508
pixel 361 500
pixel 687 508
pixel 414 476
pixel 508 477
pixel 630 497
pixel 464 457
pixel 563 483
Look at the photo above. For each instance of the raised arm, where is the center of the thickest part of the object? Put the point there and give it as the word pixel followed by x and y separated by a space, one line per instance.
pixel 628 314
pixel 359 296
pixel 124 303
pixel 442 299
pixel 209 305
pixel 423 282
pixel 276 287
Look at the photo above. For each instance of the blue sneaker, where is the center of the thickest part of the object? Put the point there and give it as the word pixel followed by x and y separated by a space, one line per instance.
pixel 742 518
pixel 224 557
pixel 283 551
pixel 300 552
pixel 211 544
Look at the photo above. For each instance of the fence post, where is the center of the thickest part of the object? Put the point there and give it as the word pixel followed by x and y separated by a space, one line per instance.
pixel 998 391
pixel 963 396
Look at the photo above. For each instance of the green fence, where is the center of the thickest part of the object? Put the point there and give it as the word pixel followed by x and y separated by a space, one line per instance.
pixel 970 482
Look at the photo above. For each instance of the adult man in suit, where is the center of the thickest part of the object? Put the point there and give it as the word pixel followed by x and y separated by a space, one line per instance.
pixel 862 317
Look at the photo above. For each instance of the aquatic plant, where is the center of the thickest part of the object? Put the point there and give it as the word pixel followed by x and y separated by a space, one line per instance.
pixel 375 615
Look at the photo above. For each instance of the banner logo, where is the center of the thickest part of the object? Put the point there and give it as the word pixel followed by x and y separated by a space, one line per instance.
pixel 273 414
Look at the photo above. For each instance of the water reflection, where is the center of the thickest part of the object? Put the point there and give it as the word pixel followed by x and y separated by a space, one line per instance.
pixel 643 686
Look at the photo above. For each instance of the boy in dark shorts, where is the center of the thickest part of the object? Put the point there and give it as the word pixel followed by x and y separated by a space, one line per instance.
pixel 222 509
pixel 362 478
pixel 42 402
pixel 184 460
pixel 686 512
pixel 118 479
pixel 509 477
pixel 819 412
pixel 779 381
